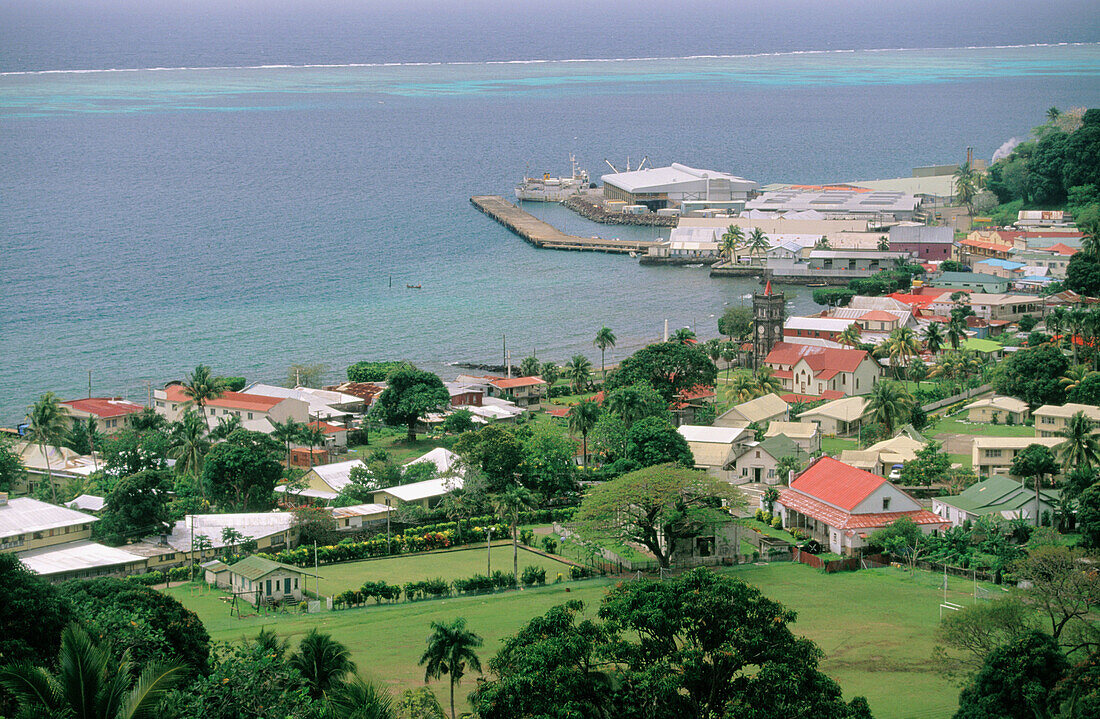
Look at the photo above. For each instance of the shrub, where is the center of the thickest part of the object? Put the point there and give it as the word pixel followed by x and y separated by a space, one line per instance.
pixel 579 572
pixel 379 591
pixel 550 545
pixel 777 522
pixel 533 575
pixel 502 580
pixel 760 516
pixel 477 584
pixel 527 536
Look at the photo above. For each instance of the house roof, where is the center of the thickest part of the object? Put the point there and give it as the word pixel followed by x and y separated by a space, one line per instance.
pixel 215 565
pixel 445 461
pixel 235 400
pixel 718 435
pixel 105 407
pixel 819 358
pixel 998 493
pixel 975 344
pixel 423 490
pixel 840 519
pixel 558 412
pixel 948 278
pixel 328 428
pixel 989 246
pixel 846 409
pixel 75 557
pixel 255 567
pixel 879 316
pixel 829 394
pixel 982 442
pixel 517 382
pixel 250 524
pixel 24 515
pixel 822 324
pixel 835 483
pixel 794 430
pixel 759 409
pixel 365 391
pixel 338 474
pixel 370 509
pixel 1068 410
pixel 1062 249
pixel 88 503
pixel 1009 404
pixel 779 446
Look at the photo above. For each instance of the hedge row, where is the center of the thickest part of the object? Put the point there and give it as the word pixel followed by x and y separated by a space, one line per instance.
pixel 174 574
pixel 381 547
pixel 538 516
pixel 436 588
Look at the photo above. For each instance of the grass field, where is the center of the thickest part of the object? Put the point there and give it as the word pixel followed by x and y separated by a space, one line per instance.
pixel 875 627
pixel 833 446
pixel 336 578
pixel 394 442
pixel 953 425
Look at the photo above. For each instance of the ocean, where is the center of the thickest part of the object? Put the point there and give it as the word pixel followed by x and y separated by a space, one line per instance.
pixel 254 186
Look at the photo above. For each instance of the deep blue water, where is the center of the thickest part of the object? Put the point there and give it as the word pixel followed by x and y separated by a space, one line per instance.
pixel 251 217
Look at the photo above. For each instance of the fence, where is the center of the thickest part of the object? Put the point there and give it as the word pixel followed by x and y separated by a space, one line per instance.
pixel 848 564
pixel 933 406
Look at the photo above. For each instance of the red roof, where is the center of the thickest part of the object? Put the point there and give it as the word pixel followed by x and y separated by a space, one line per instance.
pixel 913 300
pixel 558 411
pixel 782 374
pixel 840 519
pixel 105 406
pixel 833 482
pixel 229 400
pixel 991 246
pixel 820 359
pixel 1062 249
pixel 366 391
pixel 879 316
pixel 517 382
pixel 326 427
pixel 697 392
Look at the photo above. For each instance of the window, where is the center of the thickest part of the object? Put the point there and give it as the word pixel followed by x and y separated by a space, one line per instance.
pixel 885 504
pixel 993 453
pixel 250 415
pixel 758 454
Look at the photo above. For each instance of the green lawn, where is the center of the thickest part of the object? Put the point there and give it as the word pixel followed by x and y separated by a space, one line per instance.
pixel 952 425
pixel 767 529
pixel 875 627
pixel 833 446
pixel 336 578
pixel 400 450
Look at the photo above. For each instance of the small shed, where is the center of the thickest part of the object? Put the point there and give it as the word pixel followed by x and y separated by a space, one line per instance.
pixel 216 573
pixel 256 579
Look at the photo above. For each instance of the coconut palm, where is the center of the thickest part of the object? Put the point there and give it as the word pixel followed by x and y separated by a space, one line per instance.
pixel 1076 320
pixel 900 347
pixel 550 373
pixel 785 465
pixel 1080 448
pixel 507 505
pixel 88 684
pixel 529 367
pixel 758 242
pixel 578 371
pixel 966 185
pixel 1053 114
pixel 582 418
pixel 884 244
pixel 323 662
pixel 744 387
pixel 1074 376
pixel 314 436
pixel 890 404
pixel 49 424
pixel 604 338
pixel 188 444
pixel 450 651
pixel 933 337
pixel 732 239
pixel 682 335
pixel 851 336
pixel 956 332
pixel 713 350
pixel 202 386
pixel 730 352
pixel 227 425
pixel 287 433
pixel 767 383
pixel 628 404
pixel 1055 322
pixel 361 699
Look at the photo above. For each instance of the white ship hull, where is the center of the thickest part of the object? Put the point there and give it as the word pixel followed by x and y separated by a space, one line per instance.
pixel 552 189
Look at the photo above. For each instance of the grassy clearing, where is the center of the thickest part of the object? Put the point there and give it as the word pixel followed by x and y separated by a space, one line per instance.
pixel 399 448
pixel 875 627
pixel 833 446
pixel 459 564
pixel 767 529
pixel 954 425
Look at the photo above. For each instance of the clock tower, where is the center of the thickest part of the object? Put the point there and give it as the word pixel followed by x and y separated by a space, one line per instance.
pixel 767 311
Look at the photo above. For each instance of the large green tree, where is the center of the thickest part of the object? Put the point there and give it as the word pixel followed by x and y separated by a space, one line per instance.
pixel 668 367
pixel 242 471
pixel 653 440
pixel 658 507
pixel 1034 375
pixel 12 470
pixel 33 614
pixel 633 402
pixel 409 395
pixel 130 451
pixel 374 371
pixel 548 463
pixel 736 323
pixel 498 453
pixel 138 506
pixel 452 651
pixel 1016 681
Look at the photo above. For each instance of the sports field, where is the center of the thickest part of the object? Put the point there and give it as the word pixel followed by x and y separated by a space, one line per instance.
pixel 875 627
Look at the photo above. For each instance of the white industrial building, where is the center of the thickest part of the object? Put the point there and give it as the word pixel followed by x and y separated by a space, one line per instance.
pixel 661 187
pixel 839 203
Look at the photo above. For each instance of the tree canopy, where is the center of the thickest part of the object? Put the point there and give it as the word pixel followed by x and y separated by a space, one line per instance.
pixel 736 322
pixel 668 367
pixel 33 613
pixel 137 506
pixel 1016 681
pixel 242 471
pixel 657 507
pixel 410 394
pixel 373 371
pixel 1033 375
pixel 653 440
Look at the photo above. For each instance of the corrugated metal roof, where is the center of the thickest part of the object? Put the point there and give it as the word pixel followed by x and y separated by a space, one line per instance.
pixel 23 515
pixel 255 567
pixel 838 484
pixel 423 490
pixel 75 557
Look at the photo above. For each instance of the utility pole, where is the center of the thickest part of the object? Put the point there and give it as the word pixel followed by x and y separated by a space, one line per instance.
pixel 148 393
pixel 89 384
pixel 504 352
pixel 489 552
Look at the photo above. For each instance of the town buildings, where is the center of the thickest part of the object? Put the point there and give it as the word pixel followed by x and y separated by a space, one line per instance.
pixel 1051 420
pixel 994 455
pixel 1004 497
pixel 805 369
pixel 111 414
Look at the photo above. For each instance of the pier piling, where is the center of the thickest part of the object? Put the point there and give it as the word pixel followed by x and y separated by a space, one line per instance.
pixel 541 234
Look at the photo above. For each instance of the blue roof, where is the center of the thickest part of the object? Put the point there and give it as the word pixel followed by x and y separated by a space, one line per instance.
pixel 1007 264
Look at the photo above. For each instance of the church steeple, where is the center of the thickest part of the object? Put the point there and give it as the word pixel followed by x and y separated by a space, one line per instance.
pixel 767 310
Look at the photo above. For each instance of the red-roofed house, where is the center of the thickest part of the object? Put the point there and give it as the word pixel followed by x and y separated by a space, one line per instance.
pixel 524 391
pixel 974 250
pixel 171 402
pixel 689 400
pixel 840 505
pixel 1062 249
pixel 111 413
pixel 335 435
pixel 805 369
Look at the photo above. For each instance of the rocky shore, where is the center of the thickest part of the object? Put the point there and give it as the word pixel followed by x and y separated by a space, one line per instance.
pixel 594 211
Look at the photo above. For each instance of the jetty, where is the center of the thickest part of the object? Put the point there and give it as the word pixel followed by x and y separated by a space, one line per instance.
pixel 541 234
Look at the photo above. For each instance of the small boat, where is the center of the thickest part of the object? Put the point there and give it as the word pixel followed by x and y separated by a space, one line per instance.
pixel 633 254
pixel 412 287
pixel 817 284
pixel 700 264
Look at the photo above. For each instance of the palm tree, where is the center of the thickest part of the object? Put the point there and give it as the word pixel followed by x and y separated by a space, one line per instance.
pixel 227 425
pixel 731 241
pixel 88 684
pixel 682 335
pixel 713 349
pixel 966 185
pixel 313 435
pixel 202 386
pixel 1080 448
pixel 744 387
pixel 884 244
pixel 48 425
pixel 1074 376
pixel 956 332
pixel 1053 114
pixel 322 661
pixel 900 346
pixel 508 504
pixel 529 367
pixel 933 337
pixel 604 338
pixel 767 383
pixel 785 465
pixel 188 445
pixel 1076 319
pixel 578 370
pixel 627 403
pixel 1055 322
pixel 360 699
pixel 851 336
pixel 758 242
pixel 287 433
pixel 823 244
pixel 582 418
pixel 730 352
pixel 450 650
pixel 890 404
pixel 550 373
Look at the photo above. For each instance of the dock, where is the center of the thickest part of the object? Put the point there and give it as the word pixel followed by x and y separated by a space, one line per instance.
pixel 541 234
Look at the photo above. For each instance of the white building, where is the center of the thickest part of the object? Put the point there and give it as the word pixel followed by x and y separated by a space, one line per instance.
pixel 661 187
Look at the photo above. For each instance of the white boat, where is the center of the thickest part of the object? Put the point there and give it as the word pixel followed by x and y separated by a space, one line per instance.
pixel 553 189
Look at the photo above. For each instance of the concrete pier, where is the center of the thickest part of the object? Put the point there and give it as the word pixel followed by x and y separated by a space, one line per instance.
pixel 541 234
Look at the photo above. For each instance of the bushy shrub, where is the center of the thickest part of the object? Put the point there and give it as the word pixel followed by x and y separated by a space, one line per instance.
pixel 579 572
pixel 427 589
pixel 549 545
pixel 777 522
pixel 477 584
pixel 527 537
pixel 502 580
pixel 147 579
pixel 533 575
pixel 380 591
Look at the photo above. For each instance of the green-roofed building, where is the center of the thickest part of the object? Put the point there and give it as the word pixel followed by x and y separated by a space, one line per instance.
pixel 999 495
pixel 260 580
pixel 976 281
pixel 758 462
pixel 988 348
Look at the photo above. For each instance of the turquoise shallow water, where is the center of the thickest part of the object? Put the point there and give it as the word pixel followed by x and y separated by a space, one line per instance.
pixel 253 217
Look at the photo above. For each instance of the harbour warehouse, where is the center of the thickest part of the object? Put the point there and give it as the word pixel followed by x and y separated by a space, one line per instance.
pixel 659 188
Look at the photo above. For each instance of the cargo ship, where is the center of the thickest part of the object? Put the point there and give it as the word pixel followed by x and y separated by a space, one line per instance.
pixel 553 189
